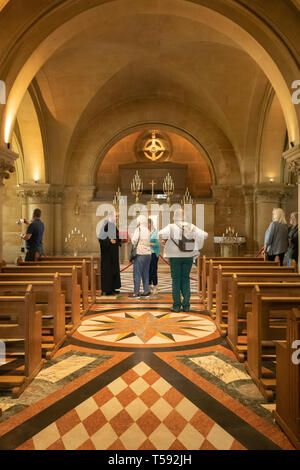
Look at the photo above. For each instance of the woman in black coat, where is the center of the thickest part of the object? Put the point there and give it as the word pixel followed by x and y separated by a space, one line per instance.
pixel 292 253
pixel 109 247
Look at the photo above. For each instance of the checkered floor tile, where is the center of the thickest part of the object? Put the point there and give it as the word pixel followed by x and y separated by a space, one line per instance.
pixel 138 411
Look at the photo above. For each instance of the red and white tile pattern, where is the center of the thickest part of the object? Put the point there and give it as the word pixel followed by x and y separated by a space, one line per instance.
pixel 138 411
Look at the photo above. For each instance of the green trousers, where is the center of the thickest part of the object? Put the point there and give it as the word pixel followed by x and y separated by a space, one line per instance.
pixel 180 272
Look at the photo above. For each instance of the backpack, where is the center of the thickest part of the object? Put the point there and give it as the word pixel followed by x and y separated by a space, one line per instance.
pixel 184 244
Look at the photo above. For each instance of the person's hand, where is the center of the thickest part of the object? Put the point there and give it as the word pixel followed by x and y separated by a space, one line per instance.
pixel 113 241
pixel 163 242
pixel 151 244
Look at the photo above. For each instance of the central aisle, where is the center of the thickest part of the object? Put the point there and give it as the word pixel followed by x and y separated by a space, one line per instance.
pixel 136 377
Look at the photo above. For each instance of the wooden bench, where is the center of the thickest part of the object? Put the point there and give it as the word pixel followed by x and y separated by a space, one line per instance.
pixel 203 264
pixel 96 260
pixel 225 286
pixel 49 300
pixel 241 268
pixel 262 332
pixel 70 288
pixel 287 413
pixel 240 302
pixel 21 331
pixel 87 267
pixel 82 278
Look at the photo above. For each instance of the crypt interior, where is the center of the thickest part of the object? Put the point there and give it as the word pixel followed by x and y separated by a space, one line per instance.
pixel 87 87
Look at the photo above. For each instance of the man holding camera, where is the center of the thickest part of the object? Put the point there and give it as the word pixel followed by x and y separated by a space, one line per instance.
pixel 34 237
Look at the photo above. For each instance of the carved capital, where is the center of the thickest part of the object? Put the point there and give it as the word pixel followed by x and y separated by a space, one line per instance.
pixel 35 193
pixel 292 158
pixel 272 192
pixel 40 193
pixel 7 163
pixel 294 167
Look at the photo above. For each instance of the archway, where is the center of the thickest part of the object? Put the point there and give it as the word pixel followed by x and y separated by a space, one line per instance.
pixel 269 53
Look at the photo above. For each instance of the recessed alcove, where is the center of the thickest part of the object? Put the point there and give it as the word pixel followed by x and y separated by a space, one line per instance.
pixel 186 164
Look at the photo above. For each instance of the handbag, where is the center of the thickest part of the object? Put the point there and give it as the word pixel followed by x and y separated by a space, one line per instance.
pixel 133 252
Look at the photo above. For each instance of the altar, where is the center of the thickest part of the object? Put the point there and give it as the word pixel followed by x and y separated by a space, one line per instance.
pixel 229 245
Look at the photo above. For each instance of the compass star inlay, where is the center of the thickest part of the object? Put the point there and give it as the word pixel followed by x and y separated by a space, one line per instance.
pixel 146 327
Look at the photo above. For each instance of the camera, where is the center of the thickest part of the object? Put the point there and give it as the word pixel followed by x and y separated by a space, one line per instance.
pixel 20 221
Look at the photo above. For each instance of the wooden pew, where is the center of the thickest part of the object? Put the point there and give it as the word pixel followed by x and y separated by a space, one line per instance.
pixel 262 333
pixel 49 300
pixel 95 259
pixel 70 287
pixel 203 264
pixel 287 413
pixel 87 266
pixel 82 278
pixel 240 302
pixel 242 268
pixel 225 285
pixel 21 330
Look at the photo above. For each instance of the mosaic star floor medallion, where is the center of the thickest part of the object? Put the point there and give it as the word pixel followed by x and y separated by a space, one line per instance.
pixel 146 327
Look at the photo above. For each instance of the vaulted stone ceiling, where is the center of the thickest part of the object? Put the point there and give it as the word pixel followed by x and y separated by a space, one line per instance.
pixel 144 56
pixel 158 58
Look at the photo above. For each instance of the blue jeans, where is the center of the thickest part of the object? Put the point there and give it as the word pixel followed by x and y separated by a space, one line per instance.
pixel 141 267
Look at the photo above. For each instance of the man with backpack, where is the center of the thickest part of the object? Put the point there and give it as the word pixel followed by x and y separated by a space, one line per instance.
pixel 182 242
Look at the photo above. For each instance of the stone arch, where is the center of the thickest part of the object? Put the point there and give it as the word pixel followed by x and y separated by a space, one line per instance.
pixel 95 139
pixel 243 25
pixel 31 139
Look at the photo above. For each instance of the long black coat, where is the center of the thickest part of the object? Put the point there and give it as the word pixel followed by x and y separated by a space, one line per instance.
pixel 110 265
pixel 293 243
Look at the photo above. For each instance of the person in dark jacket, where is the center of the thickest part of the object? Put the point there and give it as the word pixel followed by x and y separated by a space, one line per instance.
pixel 276 237
pixel 34 236
pixel 292 253
pixel 109 246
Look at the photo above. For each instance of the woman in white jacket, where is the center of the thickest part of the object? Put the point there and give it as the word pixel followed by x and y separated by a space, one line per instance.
pixel 181 261
pixel 141 263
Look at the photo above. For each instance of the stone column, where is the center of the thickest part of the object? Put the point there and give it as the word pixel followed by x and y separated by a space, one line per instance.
pixel 248 192
pixel 79 210
pixel 292 158
pixel 268 196
pixel 58 197
pixel 7 162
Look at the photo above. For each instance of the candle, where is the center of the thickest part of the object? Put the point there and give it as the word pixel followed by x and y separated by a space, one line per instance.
pixel 66 239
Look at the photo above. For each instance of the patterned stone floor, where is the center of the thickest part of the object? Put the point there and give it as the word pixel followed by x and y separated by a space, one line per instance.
pixel 176 392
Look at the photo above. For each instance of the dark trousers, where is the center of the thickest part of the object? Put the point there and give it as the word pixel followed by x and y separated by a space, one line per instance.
pixel 30 254
pixel 280 255
pixel 180 272
pixel 153 270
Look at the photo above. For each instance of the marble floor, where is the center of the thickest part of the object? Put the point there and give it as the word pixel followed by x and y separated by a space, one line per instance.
pixel 134 376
